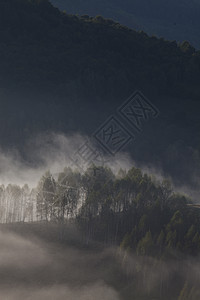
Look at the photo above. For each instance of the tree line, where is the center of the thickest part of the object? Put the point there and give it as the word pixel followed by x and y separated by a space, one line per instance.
pixel 130 209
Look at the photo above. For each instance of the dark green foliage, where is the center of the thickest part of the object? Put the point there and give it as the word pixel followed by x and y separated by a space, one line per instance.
pixel 130 210
pixel 145 245
pixel 153 245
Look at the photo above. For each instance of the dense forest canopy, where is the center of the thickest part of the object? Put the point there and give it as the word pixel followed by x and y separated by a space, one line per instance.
pixel 128 207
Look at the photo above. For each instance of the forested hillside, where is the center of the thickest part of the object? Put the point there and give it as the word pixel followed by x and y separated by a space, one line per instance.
pixel 128 208
pixel 101 231
pixel 58 71
pixel 138 234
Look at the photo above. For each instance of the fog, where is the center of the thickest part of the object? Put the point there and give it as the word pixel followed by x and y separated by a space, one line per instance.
pixel 55 151
pixel 34 269
pixel 96 291
pixel 49 152
pixel 44 152
pixel 35 265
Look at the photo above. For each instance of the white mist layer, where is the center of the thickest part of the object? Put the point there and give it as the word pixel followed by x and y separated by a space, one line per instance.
pixel 34 269
pixel 54 151
pixel 50 152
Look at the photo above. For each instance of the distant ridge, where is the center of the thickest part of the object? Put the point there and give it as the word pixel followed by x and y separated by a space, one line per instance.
pixel 173 19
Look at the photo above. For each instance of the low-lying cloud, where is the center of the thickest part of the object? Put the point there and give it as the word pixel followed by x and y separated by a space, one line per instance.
pixel 31 268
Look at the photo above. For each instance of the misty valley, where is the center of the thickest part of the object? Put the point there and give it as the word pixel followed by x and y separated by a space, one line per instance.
pixel 99 150
pixel 116 235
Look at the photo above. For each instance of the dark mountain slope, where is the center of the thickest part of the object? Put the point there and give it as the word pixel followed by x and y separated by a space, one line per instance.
pixel 41 46
pixel 64 73
pixel 173 19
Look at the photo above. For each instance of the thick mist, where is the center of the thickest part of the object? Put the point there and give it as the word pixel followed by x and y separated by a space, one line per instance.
pixel 54 151
pixel 32 268
pixel 35 265
pixel 49 152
